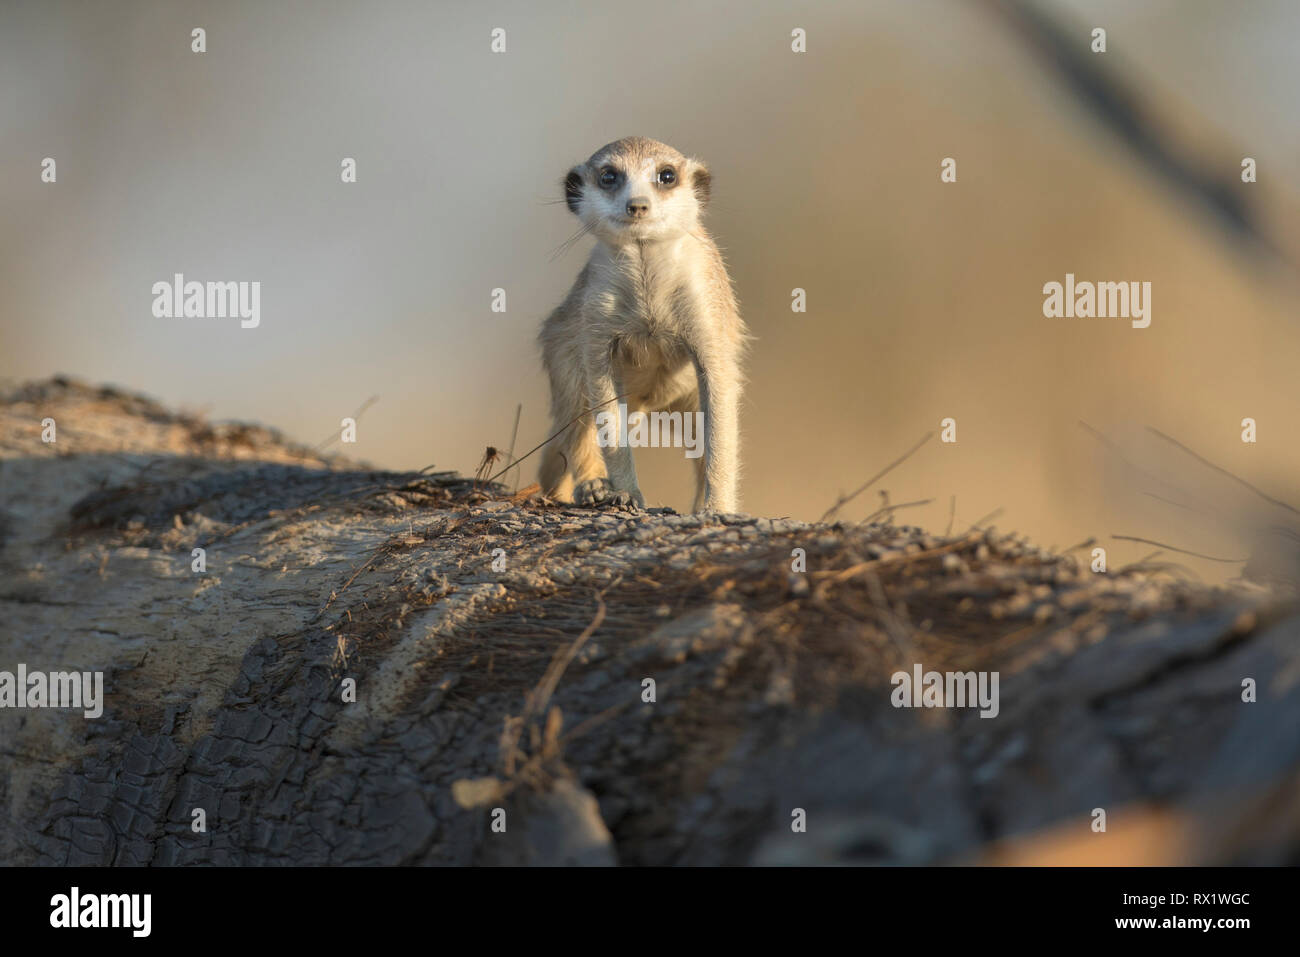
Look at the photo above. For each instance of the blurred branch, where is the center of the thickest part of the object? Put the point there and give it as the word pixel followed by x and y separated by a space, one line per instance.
pixel 1113 100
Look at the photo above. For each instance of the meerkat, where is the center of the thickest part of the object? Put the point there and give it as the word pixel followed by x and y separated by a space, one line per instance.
pixel 652 322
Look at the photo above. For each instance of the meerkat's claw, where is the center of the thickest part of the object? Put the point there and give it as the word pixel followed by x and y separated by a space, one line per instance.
pixel 593 493
pixel 597 492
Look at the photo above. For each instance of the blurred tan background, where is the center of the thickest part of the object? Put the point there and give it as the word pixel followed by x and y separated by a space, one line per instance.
pixel 924 299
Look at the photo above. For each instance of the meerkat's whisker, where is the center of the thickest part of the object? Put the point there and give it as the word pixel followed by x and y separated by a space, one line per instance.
pixel 569 243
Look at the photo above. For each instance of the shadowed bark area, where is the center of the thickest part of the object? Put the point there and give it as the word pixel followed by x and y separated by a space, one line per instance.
pixel 516 679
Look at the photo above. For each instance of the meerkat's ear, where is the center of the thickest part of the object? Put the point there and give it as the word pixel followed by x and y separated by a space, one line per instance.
pixel 701 182
pixel 573 188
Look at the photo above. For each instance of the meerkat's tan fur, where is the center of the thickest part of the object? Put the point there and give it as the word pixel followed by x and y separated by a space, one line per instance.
pixel 652 318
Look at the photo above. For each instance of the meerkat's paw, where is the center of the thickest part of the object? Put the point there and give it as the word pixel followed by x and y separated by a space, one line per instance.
pixel 597 492
pixel 592 492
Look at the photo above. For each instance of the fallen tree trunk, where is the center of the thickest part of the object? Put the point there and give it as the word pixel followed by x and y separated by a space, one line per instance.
pixel 376 667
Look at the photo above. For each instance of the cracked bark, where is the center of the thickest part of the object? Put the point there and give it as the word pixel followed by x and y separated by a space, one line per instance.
pixel 224 689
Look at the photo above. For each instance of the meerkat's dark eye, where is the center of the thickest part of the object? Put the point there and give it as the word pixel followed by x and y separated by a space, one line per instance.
pixel 608 177
pixel 667 176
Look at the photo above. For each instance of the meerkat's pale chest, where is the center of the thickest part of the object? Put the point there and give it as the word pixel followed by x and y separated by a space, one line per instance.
pixel 646 295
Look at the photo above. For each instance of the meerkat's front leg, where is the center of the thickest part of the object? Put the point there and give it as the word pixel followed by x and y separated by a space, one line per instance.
pixel 719 387
pixel 621 486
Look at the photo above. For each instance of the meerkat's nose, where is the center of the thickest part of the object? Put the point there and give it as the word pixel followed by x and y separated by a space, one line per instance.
pixel 638 206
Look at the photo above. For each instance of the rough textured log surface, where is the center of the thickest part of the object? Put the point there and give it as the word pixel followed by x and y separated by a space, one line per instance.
pixel 522 688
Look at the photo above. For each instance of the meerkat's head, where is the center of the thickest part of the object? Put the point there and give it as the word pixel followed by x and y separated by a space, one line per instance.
pixel 638 190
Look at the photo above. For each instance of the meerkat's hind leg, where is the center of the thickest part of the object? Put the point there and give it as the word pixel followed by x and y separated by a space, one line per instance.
pixel 554 475
pixel 618 484
pixel 573 469
pixel 570 461
pixel 601 490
